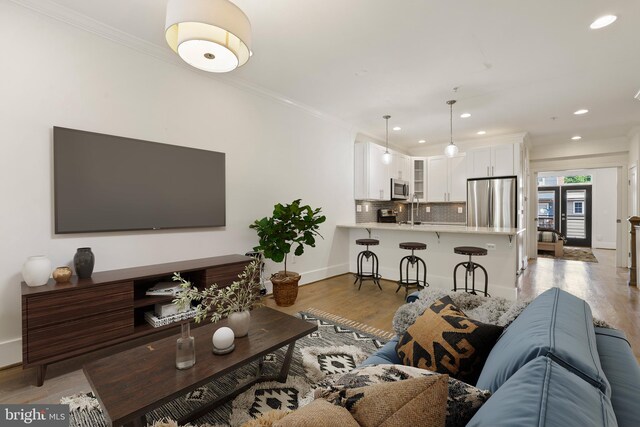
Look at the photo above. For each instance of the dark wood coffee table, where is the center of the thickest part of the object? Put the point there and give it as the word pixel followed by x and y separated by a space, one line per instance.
pixel 130 384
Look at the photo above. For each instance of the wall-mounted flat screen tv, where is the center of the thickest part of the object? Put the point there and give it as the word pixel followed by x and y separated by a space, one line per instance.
pixel 111 183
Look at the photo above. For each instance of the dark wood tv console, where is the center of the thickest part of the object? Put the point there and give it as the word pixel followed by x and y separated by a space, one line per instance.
pixel 61 321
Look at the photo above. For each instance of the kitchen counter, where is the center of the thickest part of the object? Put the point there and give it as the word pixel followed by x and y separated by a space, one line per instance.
pixel 503 260
pixel 434 227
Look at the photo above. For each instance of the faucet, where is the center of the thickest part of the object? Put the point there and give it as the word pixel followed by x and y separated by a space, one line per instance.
pixel 414 197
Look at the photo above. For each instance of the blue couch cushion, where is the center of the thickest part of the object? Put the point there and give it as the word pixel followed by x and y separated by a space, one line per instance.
pixel 622 370
pixel 556 324
pixel 385 355
pixel 544 394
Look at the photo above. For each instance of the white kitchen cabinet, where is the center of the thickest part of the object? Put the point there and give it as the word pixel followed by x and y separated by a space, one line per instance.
pixel 418 182
pixel 498 160
pixel 400 167
pixel 447 179
pixel 371 175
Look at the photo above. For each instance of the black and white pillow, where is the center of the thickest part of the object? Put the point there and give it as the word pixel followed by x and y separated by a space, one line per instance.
pixel 463 399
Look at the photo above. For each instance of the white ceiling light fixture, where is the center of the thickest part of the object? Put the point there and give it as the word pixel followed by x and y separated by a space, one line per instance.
pixel 422 141
pixel 481 132
pixel 451 149
pixel 576 138
pixel 465 115
pixel 603 21
pixel 211 35
pixel 397 128
pixel 386 157
pixel 581 112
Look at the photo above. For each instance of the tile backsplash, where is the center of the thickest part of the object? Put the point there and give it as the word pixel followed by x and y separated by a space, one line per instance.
pixel 440 212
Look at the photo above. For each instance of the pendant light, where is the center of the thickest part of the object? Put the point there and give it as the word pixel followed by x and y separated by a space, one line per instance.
pixel 386 157
pixel 452 149
pixel 211 35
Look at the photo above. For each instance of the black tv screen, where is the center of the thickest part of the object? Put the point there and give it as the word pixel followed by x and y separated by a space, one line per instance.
pixel 111 183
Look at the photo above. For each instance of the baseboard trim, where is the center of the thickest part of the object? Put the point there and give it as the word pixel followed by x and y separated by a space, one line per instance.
pixel 10 353
pixel 313 276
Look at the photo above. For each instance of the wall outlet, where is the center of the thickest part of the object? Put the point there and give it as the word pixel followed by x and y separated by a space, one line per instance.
pixel 491 246
pixel 358 208
pixel 366 208
pixel 428 209
pixel 459 209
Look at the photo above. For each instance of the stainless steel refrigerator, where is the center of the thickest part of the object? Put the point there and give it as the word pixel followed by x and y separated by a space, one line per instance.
pixel 492 202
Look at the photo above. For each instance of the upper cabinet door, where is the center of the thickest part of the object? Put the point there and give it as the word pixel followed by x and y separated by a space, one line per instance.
pixel 379 179
pixel 437 179
pixel 400 167
pixel 458 179
pixel 502 160
pixel 419 178
pixel 479 162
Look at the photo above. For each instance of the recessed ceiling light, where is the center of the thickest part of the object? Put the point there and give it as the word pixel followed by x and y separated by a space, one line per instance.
pixel 576 138
pixel 580 112
pixel 465 115
pixel 482 132
pixel 422 141
pixel 397 128
pixel 603 21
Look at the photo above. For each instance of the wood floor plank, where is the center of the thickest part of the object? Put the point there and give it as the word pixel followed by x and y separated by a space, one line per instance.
pixel 601 284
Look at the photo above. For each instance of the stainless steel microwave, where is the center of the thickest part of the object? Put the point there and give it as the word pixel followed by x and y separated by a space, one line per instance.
pixel 399 189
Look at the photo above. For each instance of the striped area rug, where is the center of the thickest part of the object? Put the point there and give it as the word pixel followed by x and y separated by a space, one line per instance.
pixel 335 348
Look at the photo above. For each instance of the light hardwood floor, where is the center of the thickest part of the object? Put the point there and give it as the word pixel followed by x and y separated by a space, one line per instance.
pixel 602 285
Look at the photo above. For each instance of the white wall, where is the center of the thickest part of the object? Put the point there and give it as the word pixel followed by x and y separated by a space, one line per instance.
pixel 604 208
pixel 57 75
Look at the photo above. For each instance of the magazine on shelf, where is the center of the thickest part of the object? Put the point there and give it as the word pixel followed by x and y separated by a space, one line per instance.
pixel 157 321
pixel 164 288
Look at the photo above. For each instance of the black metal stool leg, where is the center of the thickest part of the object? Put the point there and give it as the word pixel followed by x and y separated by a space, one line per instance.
pixel 375 264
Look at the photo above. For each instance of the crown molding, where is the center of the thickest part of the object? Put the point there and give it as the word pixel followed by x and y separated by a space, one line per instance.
pixel 68 16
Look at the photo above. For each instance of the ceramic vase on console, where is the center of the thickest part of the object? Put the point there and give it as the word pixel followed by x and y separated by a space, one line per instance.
pixel 185 348
pixel 239 323
pixel 62 274
pixel 83 262
pixel 36 270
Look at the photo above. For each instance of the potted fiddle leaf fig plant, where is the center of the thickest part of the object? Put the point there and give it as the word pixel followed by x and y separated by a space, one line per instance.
pixel 292 226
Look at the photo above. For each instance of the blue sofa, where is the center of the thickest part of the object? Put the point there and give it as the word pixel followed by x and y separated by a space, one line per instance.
pixel 552 367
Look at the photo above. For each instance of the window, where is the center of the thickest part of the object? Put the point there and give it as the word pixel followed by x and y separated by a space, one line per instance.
pixel 577 207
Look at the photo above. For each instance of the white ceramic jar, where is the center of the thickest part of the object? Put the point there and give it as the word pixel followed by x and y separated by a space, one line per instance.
pixel 36 270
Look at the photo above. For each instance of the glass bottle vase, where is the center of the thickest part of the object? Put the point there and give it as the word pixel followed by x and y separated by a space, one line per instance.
pixel 185 348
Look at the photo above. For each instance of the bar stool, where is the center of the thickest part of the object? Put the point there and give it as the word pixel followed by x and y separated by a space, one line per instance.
pixel 367 254
pixel 416 263
pixel 470 269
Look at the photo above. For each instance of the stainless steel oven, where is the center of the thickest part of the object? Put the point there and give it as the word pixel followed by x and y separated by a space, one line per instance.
pixel 399 189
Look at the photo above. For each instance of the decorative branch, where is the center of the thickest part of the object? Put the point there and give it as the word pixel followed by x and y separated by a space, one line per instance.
pixel 217 303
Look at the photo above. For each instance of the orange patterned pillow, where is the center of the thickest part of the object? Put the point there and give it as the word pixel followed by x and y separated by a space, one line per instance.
pixel 443 339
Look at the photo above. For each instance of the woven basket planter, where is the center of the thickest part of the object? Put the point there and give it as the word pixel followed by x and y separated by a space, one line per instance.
pixel 285 288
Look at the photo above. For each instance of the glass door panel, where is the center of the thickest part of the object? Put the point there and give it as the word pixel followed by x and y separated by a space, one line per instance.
pixel 576 215
pixel 549 208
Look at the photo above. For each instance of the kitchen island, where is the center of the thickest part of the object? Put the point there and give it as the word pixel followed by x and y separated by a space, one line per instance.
pixel 502 260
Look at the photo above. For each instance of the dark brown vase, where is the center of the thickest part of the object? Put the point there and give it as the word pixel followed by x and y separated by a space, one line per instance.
pixel 83 262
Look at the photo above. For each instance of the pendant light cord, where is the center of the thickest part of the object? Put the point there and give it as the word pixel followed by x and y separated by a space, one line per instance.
pixel 451 102
pixel 386 118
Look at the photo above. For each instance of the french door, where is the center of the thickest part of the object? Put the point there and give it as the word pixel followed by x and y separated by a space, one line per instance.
pixel 576 214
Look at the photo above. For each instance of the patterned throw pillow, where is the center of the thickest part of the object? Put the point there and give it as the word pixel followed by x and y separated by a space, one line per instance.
pixel 416 401
pixel 463 400
pixel 318 413
pixel 443 339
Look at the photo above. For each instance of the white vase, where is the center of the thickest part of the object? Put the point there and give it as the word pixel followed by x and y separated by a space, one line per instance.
pixel 239 323
pixel 36 270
